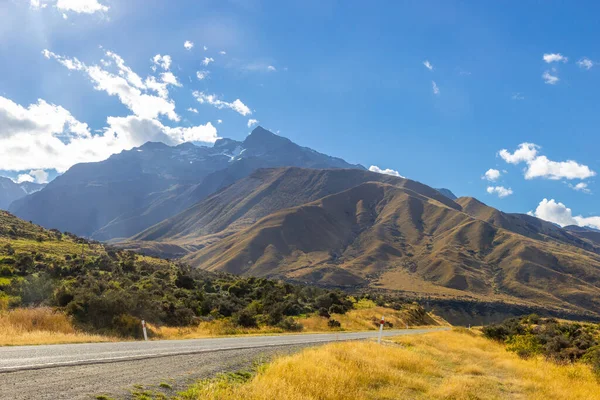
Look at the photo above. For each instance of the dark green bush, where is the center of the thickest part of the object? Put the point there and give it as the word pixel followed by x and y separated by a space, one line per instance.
pixel 245 318
pixel 332 323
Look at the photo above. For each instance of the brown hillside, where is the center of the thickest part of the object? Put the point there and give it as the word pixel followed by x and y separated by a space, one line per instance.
pixel 393 237
pixel 266 191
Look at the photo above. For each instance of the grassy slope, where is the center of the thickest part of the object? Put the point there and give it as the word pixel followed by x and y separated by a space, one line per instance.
pixel 441 365
pixel 369 234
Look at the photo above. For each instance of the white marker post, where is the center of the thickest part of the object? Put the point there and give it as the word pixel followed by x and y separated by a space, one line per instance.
pixel 380 330
pixel 144 329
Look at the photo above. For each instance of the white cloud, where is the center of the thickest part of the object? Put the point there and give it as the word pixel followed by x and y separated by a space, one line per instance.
pixel 271 68
pixel 128 86
pixel 436 90
pixel 207 60
pixel 491 175
pixel 252 122
pixel 554 57
pixel 517 96
pixel 162 61
pixel 541 167
pixel 40 175
pixel 188 45
pixel 549 78
pixel 169 78
pixel 585 63
pixel 375 168
pixel 45 136
pixel 211 99
pixel 581 187
pixel 558 213
pixel 501 191
pixel 205 48
pixel 201 75
pixel 222 52
pixel 25 178
pixel 526 152
pixel 81 6
pixel 428 65
pixel 37 4
pixel 193 110
pixel 219 121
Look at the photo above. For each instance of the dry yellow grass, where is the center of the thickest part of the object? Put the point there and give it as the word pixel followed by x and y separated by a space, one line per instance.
pixel 441 365
pixel 354 320
pixel 31 326
pixel 26 326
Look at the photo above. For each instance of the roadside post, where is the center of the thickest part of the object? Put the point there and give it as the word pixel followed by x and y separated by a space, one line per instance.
pixel 380 330
pixel 144 329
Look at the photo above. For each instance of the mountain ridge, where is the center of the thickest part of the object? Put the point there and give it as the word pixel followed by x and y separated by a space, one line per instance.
pixel 138 188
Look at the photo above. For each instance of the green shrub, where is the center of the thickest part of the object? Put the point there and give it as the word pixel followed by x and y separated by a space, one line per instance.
pixel 332 323
pixel 245 318
pixel 289 324
pixel 525 346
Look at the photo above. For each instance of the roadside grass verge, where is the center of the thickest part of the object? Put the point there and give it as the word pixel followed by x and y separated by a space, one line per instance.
pixel 25 326
pixel 362 319
pixel 43 325
pixel 441 365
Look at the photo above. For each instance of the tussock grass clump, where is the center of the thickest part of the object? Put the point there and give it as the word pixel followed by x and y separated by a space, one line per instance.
pixel 441 365
pixel 23 326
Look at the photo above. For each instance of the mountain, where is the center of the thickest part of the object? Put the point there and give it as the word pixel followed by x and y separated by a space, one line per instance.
pixel 357 229
pixel 448 193
pixel 587 234
pixel 11 191
pixel 133 190
pixel 241 204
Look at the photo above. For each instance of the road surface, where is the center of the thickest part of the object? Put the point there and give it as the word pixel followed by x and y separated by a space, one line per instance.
pixel 82 371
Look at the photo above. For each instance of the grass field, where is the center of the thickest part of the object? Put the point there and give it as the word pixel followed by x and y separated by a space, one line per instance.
pixel 442 365
pixel 32 326
pixel 27 326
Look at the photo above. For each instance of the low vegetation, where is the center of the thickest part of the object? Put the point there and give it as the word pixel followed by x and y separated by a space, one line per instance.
pixel 103 291
pixel 441 365
pixel 561 342
pixel 43 325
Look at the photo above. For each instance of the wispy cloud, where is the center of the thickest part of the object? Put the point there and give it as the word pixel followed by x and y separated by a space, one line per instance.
pixel 436 89
pixel 201 75
pixel 188 45
pixel 581 187
pixel 236 105
pixel 517 96
pixel 252 122
pixel 207 60
pixel 585 63
pixel 549 78
pixel 428 65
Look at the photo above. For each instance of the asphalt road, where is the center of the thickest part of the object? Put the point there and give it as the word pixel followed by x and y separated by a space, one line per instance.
pixel 82 371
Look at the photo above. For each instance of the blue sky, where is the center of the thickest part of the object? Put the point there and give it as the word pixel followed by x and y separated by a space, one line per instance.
pixel 344 77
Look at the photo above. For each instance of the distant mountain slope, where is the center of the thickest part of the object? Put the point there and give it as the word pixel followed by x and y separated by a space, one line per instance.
pixel 262 193
pixel 11 191
pixel 589 235
pixel 523 224
pixel 382 235
pixel 448 193
pixel 136 189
